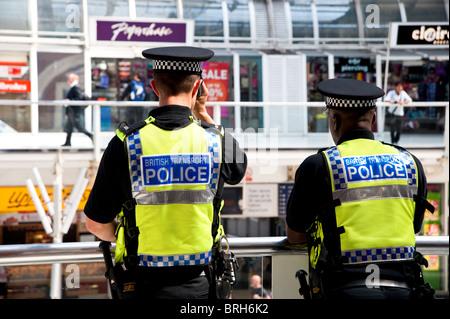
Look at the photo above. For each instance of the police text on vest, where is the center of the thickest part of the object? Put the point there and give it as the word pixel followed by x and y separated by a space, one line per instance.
pixel 374 167
pixel 175 169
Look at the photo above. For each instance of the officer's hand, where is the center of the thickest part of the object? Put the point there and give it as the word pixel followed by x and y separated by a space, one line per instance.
pixel 199 109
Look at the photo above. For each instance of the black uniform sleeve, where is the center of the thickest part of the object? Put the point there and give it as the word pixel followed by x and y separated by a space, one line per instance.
pixel 421 192
pixel 112 185
pixel 309 193
pixel 234 161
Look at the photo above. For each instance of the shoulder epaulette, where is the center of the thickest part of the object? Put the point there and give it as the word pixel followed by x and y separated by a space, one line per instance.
pixel 125 130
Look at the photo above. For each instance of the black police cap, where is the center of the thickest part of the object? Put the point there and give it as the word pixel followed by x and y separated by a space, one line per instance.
pixel 349 93
pixel 178 58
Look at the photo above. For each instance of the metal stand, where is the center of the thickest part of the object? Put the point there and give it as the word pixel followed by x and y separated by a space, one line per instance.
pixel 58 221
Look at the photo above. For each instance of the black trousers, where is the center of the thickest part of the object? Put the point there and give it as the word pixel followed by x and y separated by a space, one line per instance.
pixel 171 284
pixel 74 121
pixel 396 129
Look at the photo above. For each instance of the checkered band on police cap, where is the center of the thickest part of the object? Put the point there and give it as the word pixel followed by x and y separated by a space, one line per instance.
pixel 178 58
pixel 349 93
pixel 333 102
pixel 183 66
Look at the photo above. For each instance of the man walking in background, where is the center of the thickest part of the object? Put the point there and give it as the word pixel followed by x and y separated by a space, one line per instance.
pixel 73 113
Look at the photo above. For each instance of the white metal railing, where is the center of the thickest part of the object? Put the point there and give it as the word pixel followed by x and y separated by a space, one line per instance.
pixel 33 254
pixel 286 259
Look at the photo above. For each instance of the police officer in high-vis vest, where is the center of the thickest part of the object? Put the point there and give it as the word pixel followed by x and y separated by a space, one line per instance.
pixel 159 185
pixel 358 205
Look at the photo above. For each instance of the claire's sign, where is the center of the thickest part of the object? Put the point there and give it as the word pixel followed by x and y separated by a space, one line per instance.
pixel 419 34
pixel 125 31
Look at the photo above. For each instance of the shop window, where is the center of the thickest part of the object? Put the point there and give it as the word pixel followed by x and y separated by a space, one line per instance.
pixel 112 81
pixel 423 80
pixel 388 12
pixel 14 85
pixel 317 72
pixel 251 91
pixel 239 18
pixel 434 225
pixel 53 70
pixel 156 9
pixel 14 15
pixel 337 19
pixel 302 24
pixel 207 15
pixel 60 16
pixel 109 8
pixel 425 10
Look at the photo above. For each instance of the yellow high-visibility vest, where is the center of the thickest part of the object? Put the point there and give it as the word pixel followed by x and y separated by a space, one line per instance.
pixel 375 185
pixel 174 178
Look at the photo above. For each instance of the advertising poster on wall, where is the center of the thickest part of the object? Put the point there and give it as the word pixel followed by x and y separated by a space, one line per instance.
pixel 216 76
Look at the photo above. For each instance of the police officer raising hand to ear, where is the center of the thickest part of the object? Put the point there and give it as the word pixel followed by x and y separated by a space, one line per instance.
pixel 161 180
pixel 199 109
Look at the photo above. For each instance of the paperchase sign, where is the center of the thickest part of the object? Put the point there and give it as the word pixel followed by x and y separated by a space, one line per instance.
pixel 126 31
pixel 419 34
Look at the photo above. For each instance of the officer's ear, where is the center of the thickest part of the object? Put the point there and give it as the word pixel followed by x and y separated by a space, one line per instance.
pixel 155 89
pixel 336 121
pixel 374 118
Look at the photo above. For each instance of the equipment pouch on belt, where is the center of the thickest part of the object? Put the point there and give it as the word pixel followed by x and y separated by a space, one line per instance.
pixel 121 282
pixel 421 290
pixel 224 265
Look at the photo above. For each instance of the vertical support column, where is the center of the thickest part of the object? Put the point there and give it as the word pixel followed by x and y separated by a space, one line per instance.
pixel 34 94
pixel 96 132
pixel 226 23
pixel 446 132
pixel 237 91
pixel 56 274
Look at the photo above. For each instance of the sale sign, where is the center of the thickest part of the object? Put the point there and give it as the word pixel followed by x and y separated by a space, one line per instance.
pixel 216 77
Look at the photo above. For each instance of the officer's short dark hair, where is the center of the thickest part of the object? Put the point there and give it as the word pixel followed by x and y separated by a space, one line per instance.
pixel 174 83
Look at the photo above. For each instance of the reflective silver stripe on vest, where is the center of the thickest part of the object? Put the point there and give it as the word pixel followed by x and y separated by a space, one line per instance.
pixel 179 196
pixel 379 254
pixel 175 260
pixel 375 192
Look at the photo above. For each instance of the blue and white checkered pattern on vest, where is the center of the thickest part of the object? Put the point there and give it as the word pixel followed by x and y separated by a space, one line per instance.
pixel 175 260
pixel 213 142
pixel 337 168
pixel 134 153
pixel 379 254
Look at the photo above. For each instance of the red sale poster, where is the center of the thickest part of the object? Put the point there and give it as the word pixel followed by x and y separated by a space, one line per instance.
pixel 216 77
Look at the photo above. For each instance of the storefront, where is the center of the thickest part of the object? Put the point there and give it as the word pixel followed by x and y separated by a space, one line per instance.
pixel 14 85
